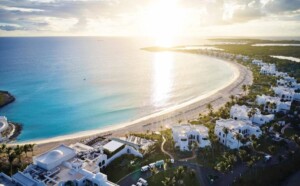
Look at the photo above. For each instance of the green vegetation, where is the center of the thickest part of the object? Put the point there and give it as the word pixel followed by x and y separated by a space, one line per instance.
pixel 174 176
pixel 5 98
pixel 271 175
pixel 15 158
pixel 264 53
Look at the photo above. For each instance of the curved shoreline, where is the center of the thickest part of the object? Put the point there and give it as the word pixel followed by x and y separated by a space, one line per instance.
pixel 185 111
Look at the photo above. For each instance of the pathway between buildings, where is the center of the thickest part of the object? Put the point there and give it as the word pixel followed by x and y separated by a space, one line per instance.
pixel 163 150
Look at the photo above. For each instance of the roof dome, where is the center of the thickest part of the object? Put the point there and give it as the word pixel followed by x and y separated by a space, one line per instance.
pixel 55 154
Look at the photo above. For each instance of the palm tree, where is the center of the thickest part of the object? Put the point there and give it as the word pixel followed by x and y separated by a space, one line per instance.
pixel 210 108
pixel 8 150
pixel 18 152
pixel 251 113
pixel 245 88
pixel 26 149
pixel 3 148
pixel 244 141
pixel 11 158
pixel 238 137
pixel 213 138
pixel 226 131
pixel 31 146
pixel 232 98
pixel 168 181
pixel 179 173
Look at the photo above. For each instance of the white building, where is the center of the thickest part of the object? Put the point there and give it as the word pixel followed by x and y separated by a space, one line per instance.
pixel 273 104
pixel 238 112
pixel 284 93
pixel 3 126
pixel 268 69
pixel 235 127
pixel 260 119
pixel 258 62
pixel 281 74
pixel 184 134
pixel 77 163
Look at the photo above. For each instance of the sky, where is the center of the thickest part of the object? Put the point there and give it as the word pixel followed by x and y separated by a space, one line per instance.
pixel 151 18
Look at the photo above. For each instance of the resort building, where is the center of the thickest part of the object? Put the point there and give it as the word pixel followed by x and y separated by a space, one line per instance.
pixel 258 62
pixel 273 104
pixel 268 69
pixel 294 85
pixel 243 112
pixel 78 163
pixel 3 126
pixel 234 128
pixel 284 93
pixel 281 74
pixel 238 112
pixel 185 134
pixel 140 143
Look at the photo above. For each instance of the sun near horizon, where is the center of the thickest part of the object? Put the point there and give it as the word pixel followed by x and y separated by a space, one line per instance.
pixel 162 20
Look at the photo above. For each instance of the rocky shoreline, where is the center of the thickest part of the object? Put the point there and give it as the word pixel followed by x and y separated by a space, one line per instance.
pixel 15 128
pixel 6 98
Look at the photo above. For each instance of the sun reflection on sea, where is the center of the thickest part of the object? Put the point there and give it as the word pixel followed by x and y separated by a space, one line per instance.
pixel 162 78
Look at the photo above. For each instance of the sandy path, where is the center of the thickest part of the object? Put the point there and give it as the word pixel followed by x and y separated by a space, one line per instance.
pixel 186 111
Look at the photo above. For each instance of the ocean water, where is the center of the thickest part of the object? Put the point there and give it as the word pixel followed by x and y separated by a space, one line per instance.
pixel 65 85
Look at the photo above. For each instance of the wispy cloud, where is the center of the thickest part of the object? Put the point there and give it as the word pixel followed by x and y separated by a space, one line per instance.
pixel 116 16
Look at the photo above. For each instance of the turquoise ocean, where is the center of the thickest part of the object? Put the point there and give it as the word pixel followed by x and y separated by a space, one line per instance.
pixel 65 85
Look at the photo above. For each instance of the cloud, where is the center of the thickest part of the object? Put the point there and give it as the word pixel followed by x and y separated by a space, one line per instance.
pixel 119 15
pixel 10 27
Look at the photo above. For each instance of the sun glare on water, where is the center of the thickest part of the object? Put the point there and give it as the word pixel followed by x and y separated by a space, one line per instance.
pixel 163 21
pixel 162 78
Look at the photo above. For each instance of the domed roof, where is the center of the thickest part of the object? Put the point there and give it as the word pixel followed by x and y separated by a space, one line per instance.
pixel 55 154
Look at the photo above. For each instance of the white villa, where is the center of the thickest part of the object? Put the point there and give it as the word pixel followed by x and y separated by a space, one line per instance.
pixel 238 112
pixel 3 125
pixel 286 93
pixel 281 74
pixel 77 163
pixel 184 134
pixel 273 104
pixel 258 62
pixel 245 128
pixel 268 69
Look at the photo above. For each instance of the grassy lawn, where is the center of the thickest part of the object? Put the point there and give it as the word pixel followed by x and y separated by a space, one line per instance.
pixel 188 180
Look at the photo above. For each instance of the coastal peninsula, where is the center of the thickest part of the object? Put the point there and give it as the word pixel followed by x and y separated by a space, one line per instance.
pixel 9 130
pixel 6 98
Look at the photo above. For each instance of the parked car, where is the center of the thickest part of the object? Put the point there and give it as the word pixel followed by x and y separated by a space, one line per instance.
pixel 159 163
pixel 145 168
pixel 152 165
pixel 143 181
